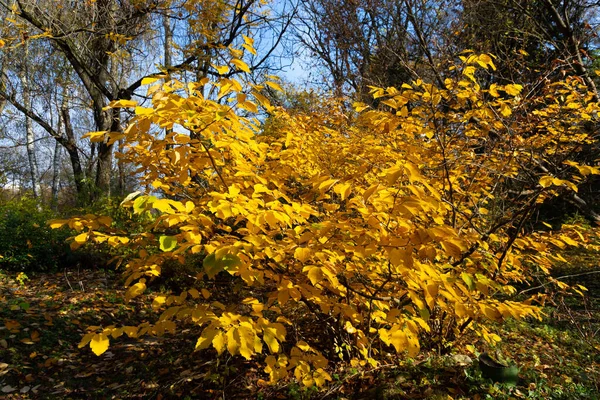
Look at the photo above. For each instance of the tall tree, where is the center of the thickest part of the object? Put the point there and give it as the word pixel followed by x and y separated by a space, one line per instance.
pixel 553 37
pixel 29 132
pixel 107 44
pixel 366 43
pixel 538 42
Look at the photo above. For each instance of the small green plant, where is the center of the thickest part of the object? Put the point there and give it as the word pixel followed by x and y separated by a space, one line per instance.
pixel 22 278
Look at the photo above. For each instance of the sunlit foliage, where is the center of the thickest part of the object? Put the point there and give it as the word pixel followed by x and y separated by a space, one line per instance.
pixel 391 228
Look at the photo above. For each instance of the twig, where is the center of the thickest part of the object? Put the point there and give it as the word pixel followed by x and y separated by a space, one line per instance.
pixel 214 164
pixel 67 278
pixel 80 281
pixel 345 283
pixel 558 279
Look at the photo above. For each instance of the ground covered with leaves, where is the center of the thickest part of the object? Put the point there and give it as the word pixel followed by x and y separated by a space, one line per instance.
pixel 43 318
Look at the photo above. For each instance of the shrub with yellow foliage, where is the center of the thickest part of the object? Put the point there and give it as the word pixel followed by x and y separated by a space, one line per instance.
pixel 392 228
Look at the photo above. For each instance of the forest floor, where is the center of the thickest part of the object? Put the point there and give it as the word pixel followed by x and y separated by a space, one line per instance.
pixel 43 318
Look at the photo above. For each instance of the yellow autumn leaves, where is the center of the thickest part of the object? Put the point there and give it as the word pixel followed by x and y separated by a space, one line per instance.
pixel 240 335
pixel 378 224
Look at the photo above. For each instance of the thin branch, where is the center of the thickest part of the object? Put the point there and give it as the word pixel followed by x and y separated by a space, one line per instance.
pixel 560 278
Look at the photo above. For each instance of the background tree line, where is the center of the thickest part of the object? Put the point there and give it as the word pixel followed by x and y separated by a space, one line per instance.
pixel 63 62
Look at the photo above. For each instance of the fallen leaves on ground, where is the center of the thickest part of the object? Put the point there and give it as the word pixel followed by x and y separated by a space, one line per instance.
pixel 43 321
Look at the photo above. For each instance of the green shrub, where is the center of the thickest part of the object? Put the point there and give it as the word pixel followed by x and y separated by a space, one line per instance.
pixel 99 254
pixel 26 242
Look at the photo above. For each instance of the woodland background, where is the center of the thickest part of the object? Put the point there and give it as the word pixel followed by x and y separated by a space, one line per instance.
pixel 421 178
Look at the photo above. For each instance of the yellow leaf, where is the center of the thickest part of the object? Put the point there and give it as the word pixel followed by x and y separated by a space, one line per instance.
pixel 143 111
pixel 163 205
pixel 349 327
pixel 240 65
pixel 249 48
pixel 513 89
pixel 358 106
pixel 271 218
pixel 117 332
pixel 86 339
pixel 270 340
pixel 233 341
pixel 57 223
pixel 490 312
pixel 460 310
pixel 397 338
pixel 370 191
pixel 248 40
pixel 505 110
pixel 546 181
pixel 493 90
pixel 453 247
pixel 569 241
pixel 99 343
pixel 218 342
pixel 150 79
pixel 249 106
pixel 413 344
pixel 400 257
pixel 135 290
pixel 130 331
pixel 206 338
pixel 105 220
pixel 314 273
pixel 123 104
pixel 326 185
pixel 413 172
pixel 484 60
pixel 393 175
pixel 189 206
pixel 81 238
pixel 302 345
pixel 97 136
pixel 222 70
pixel 343 189
pixel 469 72
pixel 302 254
pixel 274 86
pixel 320 376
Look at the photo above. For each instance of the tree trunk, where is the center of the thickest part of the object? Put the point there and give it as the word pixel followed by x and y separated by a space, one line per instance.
pixel 572 46
pixel 121 170
pixel 71 147
pixel 584 207
pixel 168 41
pixel 30 134
pixel 103 171
pixel 55 175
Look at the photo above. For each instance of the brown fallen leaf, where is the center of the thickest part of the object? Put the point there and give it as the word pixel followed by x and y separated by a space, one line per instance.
pixel 12 325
